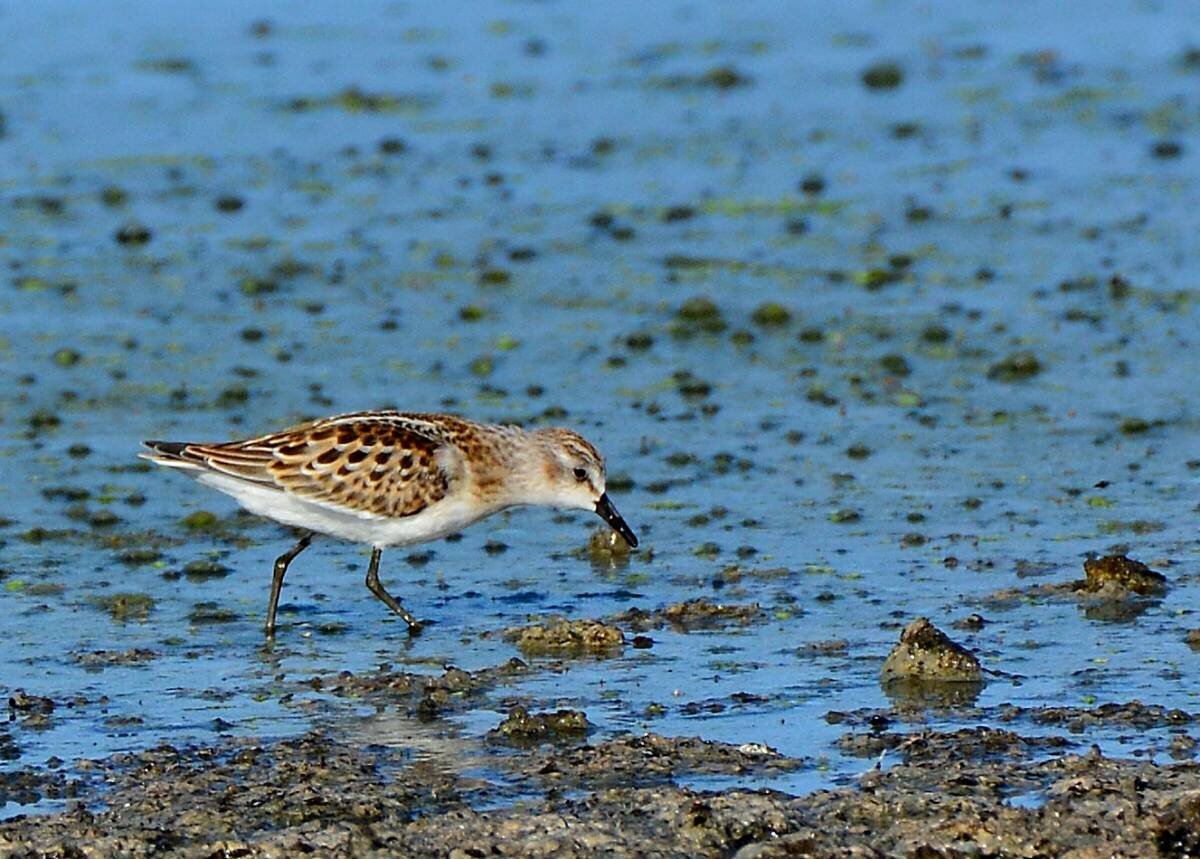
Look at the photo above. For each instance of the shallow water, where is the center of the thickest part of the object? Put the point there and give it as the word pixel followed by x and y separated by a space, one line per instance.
pixel 559 180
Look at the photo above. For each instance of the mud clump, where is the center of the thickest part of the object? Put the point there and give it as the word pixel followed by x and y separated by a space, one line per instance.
pixel 178 801
pixel 9 750
pixel 624 822
pixel 561 637
pixel 935 747
pixel 34 711
pixel 698 315
pixel 425 696
pixel 701 613
pixel 524 729
pixel 125 606
pixel 925 654
pixel 952 794
pixel 1017 367
pixel 1133 714
pixel 606 546
pixel 96 659
pixel 883 76
pixel 1116 589
pixel 28 786
pixel 1121 574
pixel 652 759
pixel 1177 829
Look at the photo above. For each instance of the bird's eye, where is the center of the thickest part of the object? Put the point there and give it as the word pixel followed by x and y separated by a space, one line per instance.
pixel 580 474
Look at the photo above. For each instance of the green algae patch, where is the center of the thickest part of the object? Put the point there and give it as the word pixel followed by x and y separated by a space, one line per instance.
pixel 883 76
pixel 204 613
pixel 771 314
pixel 356 100
pixel 561 637
pixel 1018 367
pixel 67 357
pixel 717 78
pixel 204 569
pixel 606 546
pixel 201 520
pixel 124 607
pixel 698 315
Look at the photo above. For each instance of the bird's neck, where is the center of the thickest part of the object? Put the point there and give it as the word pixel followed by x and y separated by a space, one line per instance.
pixel 516 473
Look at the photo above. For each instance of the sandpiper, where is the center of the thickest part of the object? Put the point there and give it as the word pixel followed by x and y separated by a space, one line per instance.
pixel 389 478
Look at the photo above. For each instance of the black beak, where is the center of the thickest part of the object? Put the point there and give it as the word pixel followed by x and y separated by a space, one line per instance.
pixel 606 511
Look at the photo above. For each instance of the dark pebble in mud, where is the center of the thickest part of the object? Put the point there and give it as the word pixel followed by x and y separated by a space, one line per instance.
pixel 43 419
pixel 883 76
pixel 936 334
pixel 673 214
pixel 229 204
pixel 393 146
pixel 561 637
pixel 133 235
pixel 971 623
pixel 771 315
pixel 724 77
pixel 895 365
pixel 524 729
pixel 699 613
pixel 1015 368
pixel 114 197
pixel 1165 149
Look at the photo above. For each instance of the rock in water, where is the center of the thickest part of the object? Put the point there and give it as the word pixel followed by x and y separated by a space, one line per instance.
pixel 926 654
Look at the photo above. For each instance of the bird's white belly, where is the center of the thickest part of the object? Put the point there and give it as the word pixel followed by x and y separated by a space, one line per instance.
pixel 444 517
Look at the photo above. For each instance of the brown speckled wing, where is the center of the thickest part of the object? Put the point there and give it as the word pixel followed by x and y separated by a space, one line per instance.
pixel 381 465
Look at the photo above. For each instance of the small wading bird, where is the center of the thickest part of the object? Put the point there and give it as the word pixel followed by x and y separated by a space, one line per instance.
pixel 389 478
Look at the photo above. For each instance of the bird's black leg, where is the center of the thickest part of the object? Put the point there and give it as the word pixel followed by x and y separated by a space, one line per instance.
pixel 375 587
pixel 281 567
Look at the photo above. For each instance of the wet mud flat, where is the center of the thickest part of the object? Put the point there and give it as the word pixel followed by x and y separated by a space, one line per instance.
pixel 878 315
pixel 968 792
